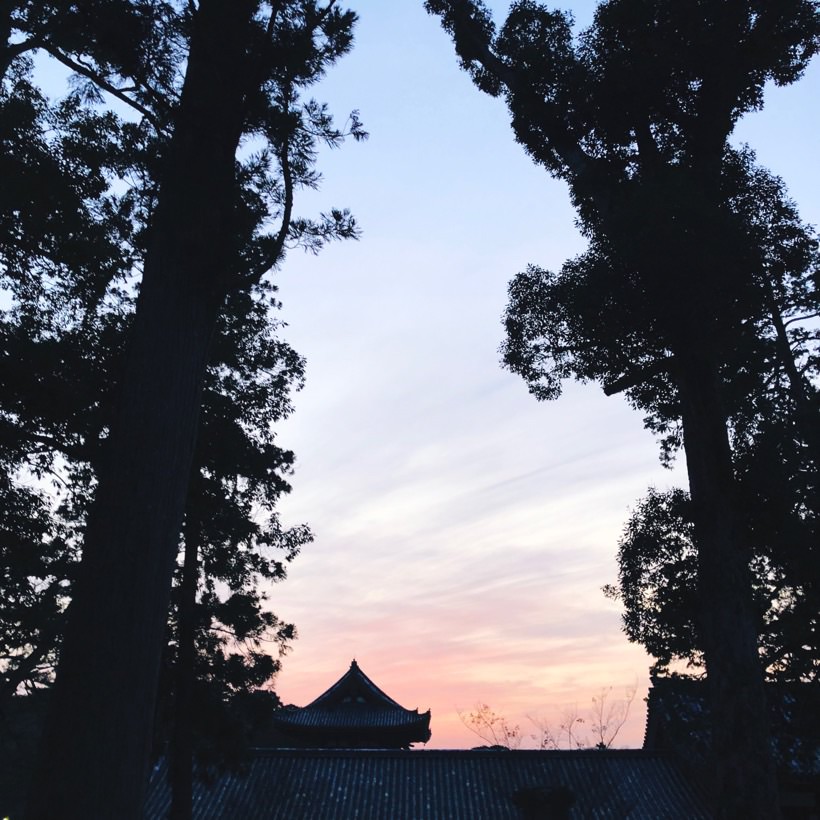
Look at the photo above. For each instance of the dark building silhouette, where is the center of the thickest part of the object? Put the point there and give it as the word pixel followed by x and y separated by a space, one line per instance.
pixel 488 784
pixel 347 754
pixel 353 714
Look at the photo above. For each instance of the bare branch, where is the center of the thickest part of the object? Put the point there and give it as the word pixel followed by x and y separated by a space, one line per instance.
pixel 490 727
pixel 609 716
pixel 105 85
pixel 14 50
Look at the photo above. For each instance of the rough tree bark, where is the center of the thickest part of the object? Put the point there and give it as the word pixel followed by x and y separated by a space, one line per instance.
pixel 95 753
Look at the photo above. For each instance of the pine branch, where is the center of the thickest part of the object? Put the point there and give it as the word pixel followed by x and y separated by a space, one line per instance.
pixel 105 85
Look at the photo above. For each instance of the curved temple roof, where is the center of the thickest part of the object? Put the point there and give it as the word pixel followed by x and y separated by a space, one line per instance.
pixel 354 713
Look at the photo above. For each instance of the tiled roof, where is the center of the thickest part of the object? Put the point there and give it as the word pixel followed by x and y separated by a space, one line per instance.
pixel 345 718
pixel 356 712
pixel 283 784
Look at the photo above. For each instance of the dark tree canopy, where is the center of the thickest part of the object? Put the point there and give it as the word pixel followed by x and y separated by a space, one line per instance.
pixel 79 189
pixel 683 285
pixel 560 326
pixel 134 255
pixel 575 324
pixel 66 255
pixel 657 585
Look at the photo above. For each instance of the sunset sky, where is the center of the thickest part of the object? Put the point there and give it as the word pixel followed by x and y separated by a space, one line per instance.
pixel 463 530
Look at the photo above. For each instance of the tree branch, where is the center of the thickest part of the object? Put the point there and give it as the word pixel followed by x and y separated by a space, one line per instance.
pixel 10 51
pixel 637 377
pixel 105 85
pixel 275 254
pixel 28 664
pixel 472 45
pixel 79 453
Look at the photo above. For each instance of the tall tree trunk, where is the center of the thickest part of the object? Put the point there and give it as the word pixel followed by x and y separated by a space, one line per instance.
pixel 745 785
pixel 95 753
pixel 180 767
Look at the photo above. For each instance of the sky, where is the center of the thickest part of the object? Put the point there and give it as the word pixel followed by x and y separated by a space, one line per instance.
pixel 463 530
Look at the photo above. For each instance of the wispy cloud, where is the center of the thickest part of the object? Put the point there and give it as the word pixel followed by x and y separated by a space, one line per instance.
pixel 463 529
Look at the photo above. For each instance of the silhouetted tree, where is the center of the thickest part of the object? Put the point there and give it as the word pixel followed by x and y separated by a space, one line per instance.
pixel 66 255
pixel 635 117
pixel 70 254
pixel 774 448
pixel 240 474
pixel 206 238
pixel 657 579
pixel 232 540
pixel 657 584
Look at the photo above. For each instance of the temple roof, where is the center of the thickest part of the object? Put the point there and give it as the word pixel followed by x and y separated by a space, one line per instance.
pixel 323 784
pixel 355 687
pixel 355 712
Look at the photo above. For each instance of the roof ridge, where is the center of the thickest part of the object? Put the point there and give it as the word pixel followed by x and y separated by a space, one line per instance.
pixel 643 754
pixel 353 676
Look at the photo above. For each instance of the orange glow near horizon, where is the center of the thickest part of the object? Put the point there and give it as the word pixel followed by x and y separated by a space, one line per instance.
pixel 448 682
pixel 527 704
pixel 476 579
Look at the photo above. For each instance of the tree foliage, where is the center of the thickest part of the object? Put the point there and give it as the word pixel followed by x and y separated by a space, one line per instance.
pixel 88 192
pixel 657 585
pixel 575 324
pixel 67 253
pixel 68 267
pixel 680 277
pixel 657 579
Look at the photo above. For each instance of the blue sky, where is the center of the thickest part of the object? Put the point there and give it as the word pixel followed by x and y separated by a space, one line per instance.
pixel 463 530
